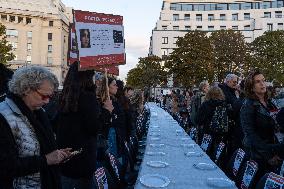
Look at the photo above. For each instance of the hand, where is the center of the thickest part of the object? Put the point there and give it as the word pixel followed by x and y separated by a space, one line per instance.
pixel 276 160
pixel 108 105
pixel 57 156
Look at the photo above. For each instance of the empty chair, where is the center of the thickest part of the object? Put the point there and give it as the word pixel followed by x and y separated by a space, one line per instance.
pixel 247 178
pixel 270 181
pixel 103 179
pixel 236 161
pixel 206 142
pixel 219 152
pixel 193 133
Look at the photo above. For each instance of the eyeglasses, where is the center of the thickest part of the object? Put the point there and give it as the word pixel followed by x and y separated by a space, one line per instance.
pixel 43 96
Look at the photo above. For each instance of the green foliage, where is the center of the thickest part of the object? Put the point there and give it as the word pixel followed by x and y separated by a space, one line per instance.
pixel 230 52
pixel 5 48
pixel 148 72
pixel 268 53
pixel 191 62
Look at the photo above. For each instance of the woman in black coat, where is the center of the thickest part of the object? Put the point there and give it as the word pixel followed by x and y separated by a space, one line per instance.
pixel 259 126
pixel 214 98
pixel 78 124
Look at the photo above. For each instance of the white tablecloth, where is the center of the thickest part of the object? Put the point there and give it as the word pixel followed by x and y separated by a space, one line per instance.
pixel 180 171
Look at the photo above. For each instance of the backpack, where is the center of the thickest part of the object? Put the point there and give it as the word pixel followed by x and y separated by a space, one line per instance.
pixel 219 123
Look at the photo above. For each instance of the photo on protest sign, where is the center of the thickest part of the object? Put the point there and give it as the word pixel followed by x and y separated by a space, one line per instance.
pixel 73 46
pixel 100 39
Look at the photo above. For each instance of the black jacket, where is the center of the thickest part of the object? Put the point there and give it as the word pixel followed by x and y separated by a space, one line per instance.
pixel 258 127
pixel 12 166
pixel 78 130
pixel 206 112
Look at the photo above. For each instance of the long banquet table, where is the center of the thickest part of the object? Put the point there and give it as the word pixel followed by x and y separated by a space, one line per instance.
pixel 165 135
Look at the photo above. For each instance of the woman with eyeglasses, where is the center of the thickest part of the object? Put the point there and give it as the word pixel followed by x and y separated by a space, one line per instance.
pixel 28 152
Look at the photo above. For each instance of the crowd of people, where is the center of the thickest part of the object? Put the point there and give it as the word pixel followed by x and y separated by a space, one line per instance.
pixel 243 114
pixel 54 139
pixel 60 139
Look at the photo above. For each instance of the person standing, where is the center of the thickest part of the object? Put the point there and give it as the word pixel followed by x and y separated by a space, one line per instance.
pixel 78 123
pixel 259 126
pixel 28 152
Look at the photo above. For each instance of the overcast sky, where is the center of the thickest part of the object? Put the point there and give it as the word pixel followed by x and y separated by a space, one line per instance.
pixel 139 17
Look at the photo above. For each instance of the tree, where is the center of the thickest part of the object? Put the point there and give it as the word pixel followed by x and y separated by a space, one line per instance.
pixel 192 60
pixel 230 53
pixel 148 72
pixel 5 49
pixel 268 52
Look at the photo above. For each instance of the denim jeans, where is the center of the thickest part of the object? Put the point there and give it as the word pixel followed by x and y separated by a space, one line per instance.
pixel 82 183
pixel 112 143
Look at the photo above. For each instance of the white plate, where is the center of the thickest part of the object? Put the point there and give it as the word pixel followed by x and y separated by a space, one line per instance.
pixel 157 145
pixel 220 183
pixel 154 180
pixel 155 138
pixel 193 154
pixel 158 164
pixel 205 166
pixel 188 145
pixel 155 134
pixel 156 153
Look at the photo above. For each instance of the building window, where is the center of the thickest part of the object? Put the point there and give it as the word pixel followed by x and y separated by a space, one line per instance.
pixel 165 40
pixel 247 27
pixel 256 5
pixel 235 16
pixel 175 40
pixel 265 5
pixel 13 44
pixel 246 16
pixel 49 48
pixel 11 33
pixel 278 14
pixel 20 19
pixel 222 27
pixel 199 17
pixel 187 17
pixel 187 7
pixel 199 27
pixel 29 46
pixel 187 27
pixel 210 28
pixel 12 18
pixel 3 17
pixel 210 17
pixel 175 6
pixel 222 17
pixel 176 17
pixel 270 27
pixel 199 7
pixel 164 27
pixel 222 6
pixel 280 3
pixel 49 60
pixel 245 6
pixel 28 20
pixel 267 14
pixel 49 36
pixel 29 59
pixel 235 27
pixel 29 34
pixel 50 23
pixel 280 26
pixel 175 27
pixel 210 7
pixel 234 6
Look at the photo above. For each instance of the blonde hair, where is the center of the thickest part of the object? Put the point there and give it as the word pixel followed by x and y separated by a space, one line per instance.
pixel 215 93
